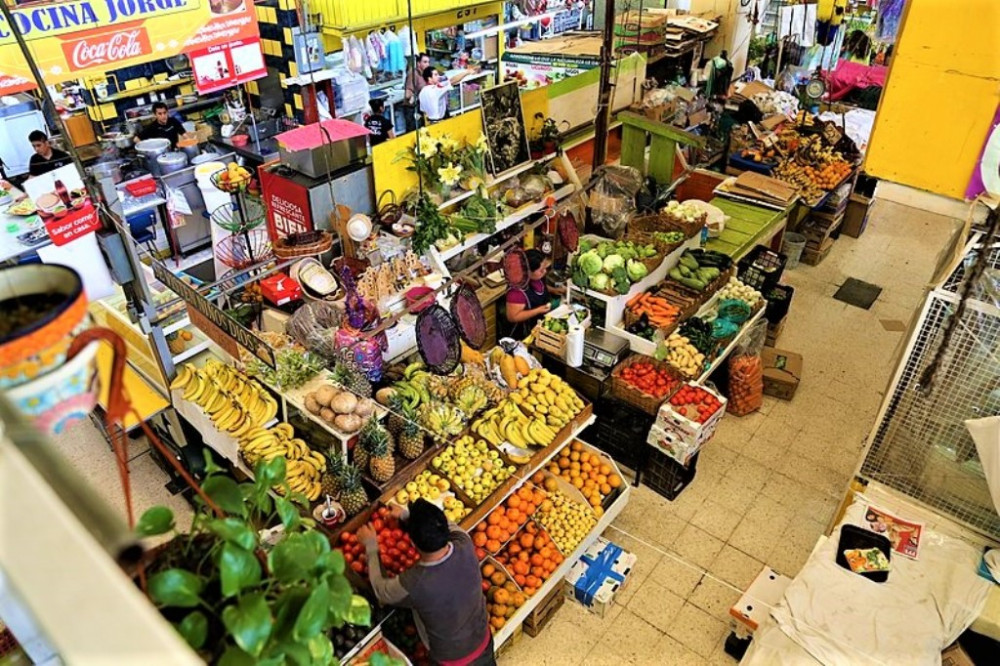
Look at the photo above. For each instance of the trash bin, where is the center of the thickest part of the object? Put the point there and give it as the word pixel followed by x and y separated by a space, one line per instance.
pixel 792 246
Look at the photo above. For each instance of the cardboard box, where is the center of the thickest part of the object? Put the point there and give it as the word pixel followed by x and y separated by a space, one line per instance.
pixel 812 257
pixel 671 445
pixel 603 571
pixel 773 331
pixel 956 656
pixel 856 216
pixel 782 372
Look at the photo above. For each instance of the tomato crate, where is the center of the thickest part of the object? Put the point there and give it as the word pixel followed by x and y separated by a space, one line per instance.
pixel 544 612
pixel 670 420
pixel 626 392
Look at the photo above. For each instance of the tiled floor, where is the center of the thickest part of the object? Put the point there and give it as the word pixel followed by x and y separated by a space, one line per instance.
pixel 766 485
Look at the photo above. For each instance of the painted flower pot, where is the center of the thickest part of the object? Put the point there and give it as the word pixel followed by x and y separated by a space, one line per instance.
pixel 62 396
pixel 30 351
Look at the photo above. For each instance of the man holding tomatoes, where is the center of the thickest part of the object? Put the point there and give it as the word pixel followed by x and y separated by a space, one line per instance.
pixel 443 588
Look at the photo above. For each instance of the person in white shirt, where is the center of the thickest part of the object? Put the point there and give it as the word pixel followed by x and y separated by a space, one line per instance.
pixel 434 94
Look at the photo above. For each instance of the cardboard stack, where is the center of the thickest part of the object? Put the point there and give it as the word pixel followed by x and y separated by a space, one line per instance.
pixel 641 31
pixel 819 228
pixel 759 188
pixel 782 372
pixel 683 31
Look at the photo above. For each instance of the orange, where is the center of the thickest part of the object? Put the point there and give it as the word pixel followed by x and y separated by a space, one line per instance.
pixel 514 501
pixel 545 552
pixel 536 561
pixel 481 527
pixel 488 570
pixel 532 581
pixel 537 497
pixel 521 568
pixel 575 455
pixel 577 446
pixel 564 463
pixel 606 470
pixel 554 468
pixel 514 548
pixel 606 488
pixel 520 579
pixel 493 518
pixel 538 571
pixel 578 482
pixel 498 578
pixel 479 539
pixel 540 542
pixel 527 540
pixel 493 532
pixel 493 545
pixel 537 478
pixel 514 516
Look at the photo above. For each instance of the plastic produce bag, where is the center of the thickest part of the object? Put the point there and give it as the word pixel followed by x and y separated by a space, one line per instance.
pixel 746 372
pixel 313 326
pixel 612 200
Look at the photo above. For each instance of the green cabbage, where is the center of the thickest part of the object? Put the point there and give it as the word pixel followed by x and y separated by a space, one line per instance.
pixel 604 249
pixel 636 270
pixel 584 246
pixel 590 262
pixel 613 261
pixel 599 282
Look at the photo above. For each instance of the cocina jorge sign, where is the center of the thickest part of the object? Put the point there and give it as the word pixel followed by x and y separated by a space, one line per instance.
pixel 72 39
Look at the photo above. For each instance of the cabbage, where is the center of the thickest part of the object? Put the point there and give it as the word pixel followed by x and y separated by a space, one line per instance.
pixel 584 246
pixel 636 270
pixel 613 261
pixel 604 249
pixel 599 282
pixel 590 262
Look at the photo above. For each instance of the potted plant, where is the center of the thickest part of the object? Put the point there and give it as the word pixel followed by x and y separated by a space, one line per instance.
pixel 237 599
pixel 546 137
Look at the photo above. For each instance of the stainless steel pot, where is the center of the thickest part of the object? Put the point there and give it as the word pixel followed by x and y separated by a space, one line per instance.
pixel 171 162
pixel 151 149
pixel 103 170
pixel 119 140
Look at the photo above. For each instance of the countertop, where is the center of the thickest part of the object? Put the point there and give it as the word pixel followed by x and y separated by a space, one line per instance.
pixel 268 149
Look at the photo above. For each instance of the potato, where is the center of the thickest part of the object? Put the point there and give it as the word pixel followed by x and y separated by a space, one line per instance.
pixel 324 394
pixel 327 414
pixel 312 406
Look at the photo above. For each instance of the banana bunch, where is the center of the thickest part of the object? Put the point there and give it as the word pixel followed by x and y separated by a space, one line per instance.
pixel 533 414
pixel 235 403
pixel 413 388
pixel 304 468
pixel 442 419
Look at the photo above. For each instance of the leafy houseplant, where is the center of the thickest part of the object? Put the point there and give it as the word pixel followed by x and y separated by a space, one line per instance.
pixel 238 601
pixel 546 137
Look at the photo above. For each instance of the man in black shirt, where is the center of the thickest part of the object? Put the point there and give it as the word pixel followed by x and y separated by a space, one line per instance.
pixel 46 158
pixel 164 127
pixel 378 124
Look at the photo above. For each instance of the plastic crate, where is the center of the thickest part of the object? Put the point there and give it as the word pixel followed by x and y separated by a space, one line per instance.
pixel 779 299
pixel 762 268
pixel 620 431
pixel 666 476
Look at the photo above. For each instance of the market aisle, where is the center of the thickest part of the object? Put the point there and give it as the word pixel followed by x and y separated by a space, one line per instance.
pixel 768 483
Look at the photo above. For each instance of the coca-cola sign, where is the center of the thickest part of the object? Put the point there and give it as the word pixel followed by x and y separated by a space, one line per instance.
pixel 104 48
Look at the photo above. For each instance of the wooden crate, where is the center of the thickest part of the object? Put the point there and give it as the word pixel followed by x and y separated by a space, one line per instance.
pixel 544 611
pixel 550 342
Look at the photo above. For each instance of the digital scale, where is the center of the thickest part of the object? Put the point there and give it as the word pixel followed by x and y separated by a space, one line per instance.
pixel 602 351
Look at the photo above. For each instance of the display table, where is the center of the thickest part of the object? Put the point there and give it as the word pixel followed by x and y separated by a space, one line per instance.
pixel 747 227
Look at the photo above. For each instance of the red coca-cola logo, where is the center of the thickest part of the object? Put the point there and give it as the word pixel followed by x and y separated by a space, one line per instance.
pixel 100 49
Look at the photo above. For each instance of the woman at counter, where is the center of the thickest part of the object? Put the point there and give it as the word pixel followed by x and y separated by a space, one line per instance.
pixel 526 306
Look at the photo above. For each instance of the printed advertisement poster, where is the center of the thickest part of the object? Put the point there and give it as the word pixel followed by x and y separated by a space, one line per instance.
pixel 61 201
pixel 287 203
pixel 904 535
pixel 71 40
pixel 225 65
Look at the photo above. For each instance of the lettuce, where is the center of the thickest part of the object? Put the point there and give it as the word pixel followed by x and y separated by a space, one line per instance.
pixel 613 261
pixel 636 270
pixel 599 282
pixel 590 263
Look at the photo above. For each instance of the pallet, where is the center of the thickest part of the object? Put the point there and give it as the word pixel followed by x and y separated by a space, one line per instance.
pixel 514 639
pixel 543 612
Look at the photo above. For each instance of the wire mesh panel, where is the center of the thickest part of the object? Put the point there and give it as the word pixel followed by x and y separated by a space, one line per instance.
pixel 921 446
pixel 986 289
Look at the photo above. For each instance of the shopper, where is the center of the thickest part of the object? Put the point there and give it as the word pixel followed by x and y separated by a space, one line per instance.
pixel 163 127
pixel 378 124
pixel 434 95
pixel 411 90
pixel 444 589
pixel 526 306
pixel 46 158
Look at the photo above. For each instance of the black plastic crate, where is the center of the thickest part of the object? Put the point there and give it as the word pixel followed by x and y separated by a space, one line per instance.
pixel 620 431
pixel 779 299
pixel 665 475
pixel 762 268
pixel 851 537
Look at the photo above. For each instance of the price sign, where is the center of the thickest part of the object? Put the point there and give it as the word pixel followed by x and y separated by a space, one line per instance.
pixel 832 133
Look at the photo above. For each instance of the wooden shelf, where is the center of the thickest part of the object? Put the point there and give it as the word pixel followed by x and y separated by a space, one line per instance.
pixel 129 94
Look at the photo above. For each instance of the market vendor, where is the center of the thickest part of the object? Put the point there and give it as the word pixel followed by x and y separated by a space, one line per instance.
pixel 434 95
pixel 46 158
pixel 444 589
pixel 163 127
pixel 526 306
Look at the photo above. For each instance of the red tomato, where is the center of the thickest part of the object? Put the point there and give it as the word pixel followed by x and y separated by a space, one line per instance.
pixel 377 524
pixel 357 567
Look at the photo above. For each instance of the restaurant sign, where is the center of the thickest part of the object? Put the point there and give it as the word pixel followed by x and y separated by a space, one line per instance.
pixel 71 40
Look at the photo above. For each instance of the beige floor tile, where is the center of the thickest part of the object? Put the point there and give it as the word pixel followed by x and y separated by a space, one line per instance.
pixel 629 638
pixel 735 567
pixel 655 604
pixel 785 490
pixel 697 630
pixel 647 557
pixel 677 575
pixel 732 494
pixel 750 472
pixel 562 643
pixel 697 546
pixel 715 598
pixel 756 537
pixel 716 519
pixel 670 652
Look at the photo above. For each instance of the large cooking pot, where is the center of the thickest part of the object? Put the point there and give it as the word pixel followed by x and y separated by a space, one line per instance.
pixel 171 162
pixel 112 170
pixel 120 140
pixel 150 149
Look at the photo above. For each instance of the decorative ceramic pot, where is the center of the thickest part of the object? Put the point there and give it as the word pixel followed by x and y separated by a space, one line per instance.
pixel 30 351
pixel 63 396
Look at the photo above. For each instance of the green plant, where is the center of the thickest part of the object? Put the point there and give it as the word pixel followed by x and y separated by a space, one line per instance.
pixel 294 368
pixel 544 134
pixel 238 601
pixel 431 225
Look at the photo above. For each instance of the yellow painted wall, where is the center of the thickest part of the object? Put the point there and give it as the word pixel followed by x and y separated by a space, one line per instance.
pixel 391 174
pixel 942 91
pixel 421 24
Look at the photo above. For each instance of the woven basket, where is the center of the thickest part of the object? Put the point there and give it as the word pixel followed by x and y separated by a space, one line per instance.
pixel 625 392
pixel 677 292
pixel 667 222
pixel 687 309
pixel 283 250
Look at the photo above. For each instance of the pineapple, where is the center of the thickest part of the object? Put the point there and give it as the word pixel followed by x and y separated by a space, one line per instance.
pixel 396 419
pixel 411 439
pixel 382 465
pixel 352 495
pixel 330 480
pixel 361 455
pixel 347 373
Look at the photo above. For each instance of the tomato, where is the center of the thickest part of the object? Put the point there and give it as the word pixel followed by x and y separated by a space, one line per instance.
pixel 357 567
pixel 383 512
pixel 378 525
